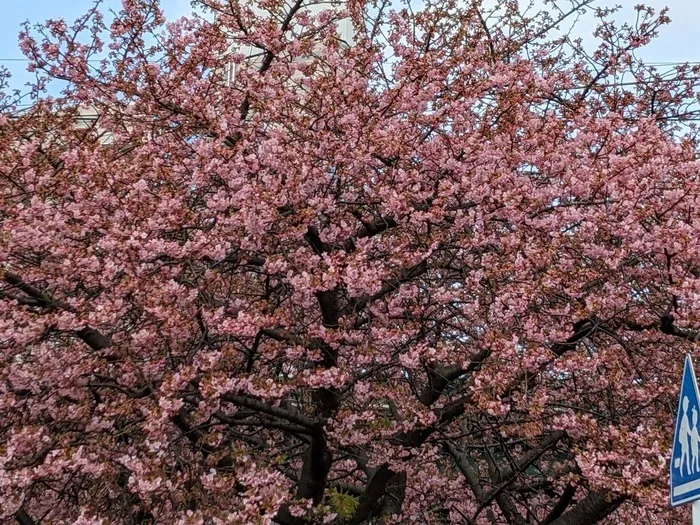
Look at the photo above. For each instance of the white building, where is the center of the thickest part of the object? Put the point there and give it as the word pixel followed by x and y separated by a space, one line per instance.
pixel 254 54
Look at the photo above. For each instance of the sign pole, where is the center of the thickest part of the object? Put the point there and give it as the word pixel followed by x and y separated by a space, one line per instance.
pixel 685 456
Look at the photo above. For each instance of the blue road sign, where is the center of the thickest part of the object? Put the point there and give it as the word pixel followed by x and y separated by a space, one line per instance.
pixel 685 458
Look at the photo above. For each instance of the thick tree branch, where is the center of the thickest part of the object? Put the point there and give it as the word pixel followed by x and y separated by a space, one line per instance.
pixel 193 434
pixel 561 505
pixel 470 474
pixel 42 298
pixel 91 337
pixel 314 239
pixel 370 229
pixel 282 413
pixel 456 408
pixel 666 325
pixel 370 497
pixel 314 471
pixel 23 518
pixel 582 329
pixel 296 430
pixel 439 377
pixel 594 508
pixel 389 286
pixel 94 338
pixel 528 459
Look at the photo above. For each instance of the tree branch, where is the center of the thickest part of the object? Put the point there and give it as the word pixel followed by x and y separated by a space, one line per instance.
pixel 561 505
pixel 91 337
pixel 23 518
pixel 528 459
pixel 390 285
pixel 32 291
pixel 282 413
pixel 594 508
pixel 94 338
pixel 666 325
pixel 374 491
pixel 467 471
pixel 439 377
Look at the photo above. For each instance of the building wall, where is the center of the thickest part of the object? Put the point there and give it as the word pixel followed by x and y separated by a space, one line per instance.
pixel 254 54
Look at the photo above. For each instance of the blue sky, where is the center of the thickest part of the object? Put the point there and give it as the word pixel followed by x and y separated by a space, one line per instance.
pixel 679 42
pixel 14 12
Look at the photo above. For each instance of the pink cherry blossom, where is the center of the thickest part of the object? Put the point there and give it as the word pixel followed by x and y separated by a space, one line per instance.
pixel 446 272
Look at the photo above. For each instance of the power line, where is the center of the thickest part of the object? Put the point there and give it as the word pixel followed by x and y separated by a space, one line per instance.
pixel 671 63
pixel 15 59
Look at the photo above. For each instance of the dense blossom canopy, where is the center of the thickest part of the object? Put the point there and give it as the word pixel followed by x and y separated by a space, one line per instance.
pixel 445 272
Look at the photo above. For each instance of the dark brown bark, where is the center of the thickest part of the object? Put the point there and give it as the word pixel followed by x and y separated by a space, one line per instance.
pixel 23 518
pixel 561 505
pixel 595 507
pixel 369 499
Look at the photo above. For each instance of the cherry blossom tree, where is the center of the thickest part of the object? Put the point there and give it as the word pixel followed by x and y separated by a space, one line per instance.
pixel 444 273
